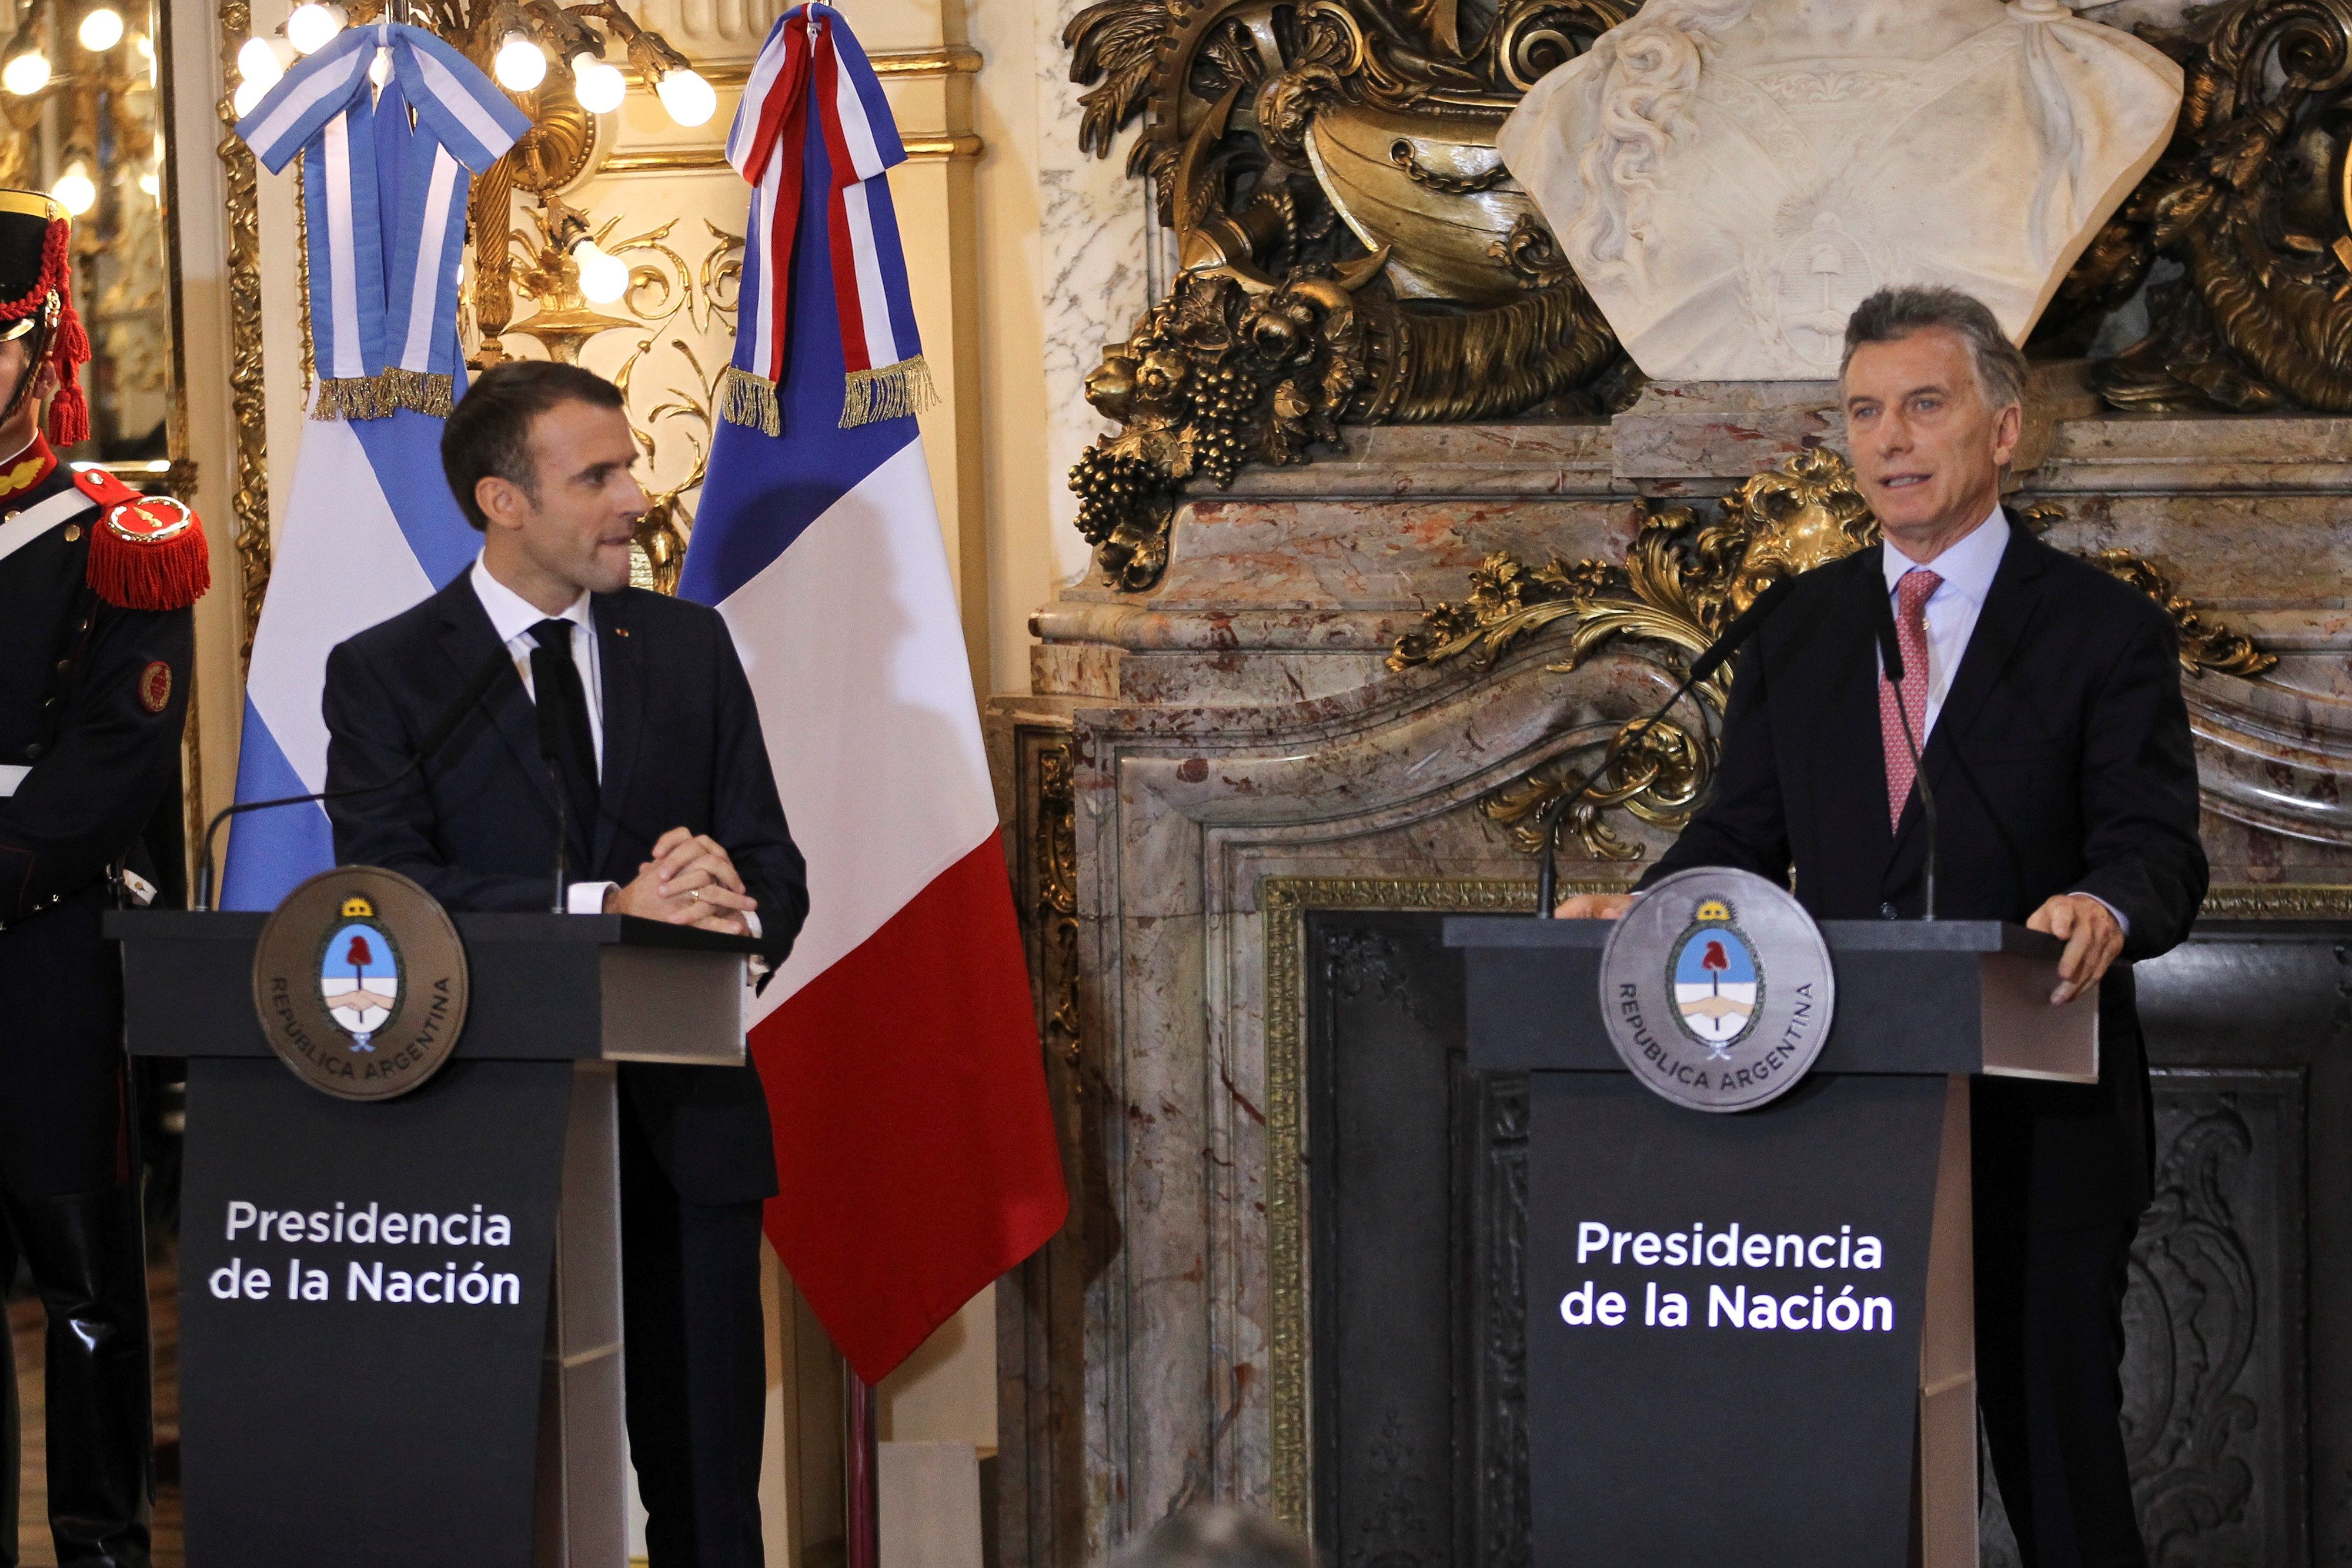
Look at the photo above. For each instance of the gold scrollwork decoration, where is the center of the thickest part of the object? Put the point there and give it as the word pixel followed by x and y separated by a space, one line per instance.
pixel 1659 778
pixel 250 498
pixel 2203 646
pixel 1681 582
pixel 1057 851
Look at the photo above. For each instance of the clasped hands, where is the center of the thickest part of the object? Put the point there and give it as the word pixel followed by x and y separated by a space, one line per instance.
pixel 2088 927
pixel 690 881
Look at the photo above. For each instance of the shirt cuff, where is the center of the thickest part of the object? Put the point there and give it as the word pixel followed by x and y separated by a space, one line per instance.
pixel 2122 919
pixel 586 897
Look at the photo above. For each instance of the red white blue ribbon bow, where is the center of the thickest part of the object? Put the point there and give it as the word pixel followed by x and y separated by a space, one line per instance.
pixel 811 68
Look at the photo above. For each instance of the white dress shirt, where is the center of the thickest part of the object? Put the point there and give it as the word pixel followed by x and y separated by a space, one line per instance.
pixel 1967 568
pixel 511 617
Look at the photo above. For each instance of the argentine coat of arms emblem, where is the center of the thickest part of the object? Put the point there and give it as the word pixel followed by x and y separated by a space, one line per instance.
pixel 1717 982
pixel 1716 989
pixel 359 982
pixel 359 972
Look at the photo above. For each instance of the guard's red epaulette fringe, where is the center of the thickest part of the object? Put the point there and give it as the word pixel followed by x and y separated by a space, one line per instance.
pixel 146 552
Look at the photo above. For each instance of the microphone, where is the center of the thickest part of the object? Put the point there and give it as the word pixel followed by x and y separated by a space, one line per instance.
pixel 550 752
pixel 1890 654
pixel 1744 626
pixel 476 687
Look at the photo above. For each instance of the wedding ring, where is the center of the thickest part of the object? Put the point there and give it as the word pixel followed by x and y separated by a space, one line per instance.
pixel 695 894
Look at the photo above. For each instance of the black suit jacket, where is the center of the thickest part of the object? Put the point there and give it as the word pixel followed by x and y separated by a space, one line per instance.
pixel 2061 762
pixel 477 827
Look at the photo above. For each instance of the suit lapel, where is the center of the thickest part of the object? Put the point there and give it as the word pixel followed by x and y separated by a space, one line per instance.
pixel 620 661
pixel 1855 791
pixel 2008 609
pixel 467 639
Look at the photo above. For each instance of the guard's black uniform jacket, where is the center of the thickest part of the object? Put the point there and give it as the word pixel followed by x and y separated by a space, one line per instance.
pixel 96 585
pixel 92 698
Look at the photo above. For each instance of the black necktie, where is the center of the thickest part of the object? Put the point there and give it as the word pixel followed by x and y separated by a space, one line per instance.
pixel 555 678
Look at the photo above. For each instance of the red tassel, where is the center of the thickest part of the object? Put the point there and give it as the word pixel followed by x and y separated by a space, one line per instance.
pixel 69 413
pixel 145 553
pixel 68 345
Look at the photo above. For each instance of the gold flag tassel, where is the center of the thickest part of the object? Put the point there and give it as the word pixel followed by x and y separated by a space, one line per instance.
pixel 890 392
pixel 748 399
pixel 349 397
pixel 427 392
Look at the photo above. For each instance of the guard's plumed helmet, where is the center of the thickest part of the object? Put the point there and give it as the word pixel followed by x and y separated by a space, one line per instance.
pixel 36 298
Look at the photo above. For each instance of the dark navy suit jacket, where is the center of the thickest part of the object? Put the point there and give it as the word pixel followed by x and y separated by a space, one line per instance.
pixel 2060 763
pixel 477 827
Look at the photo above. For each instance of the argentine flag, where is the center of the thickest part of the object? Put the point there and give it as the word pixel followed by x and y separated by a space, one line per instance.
pixel 371 528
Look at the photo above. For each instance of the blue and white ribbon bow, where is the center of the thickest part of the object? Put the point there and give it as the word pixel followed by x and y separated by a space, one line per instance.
pixel 384 308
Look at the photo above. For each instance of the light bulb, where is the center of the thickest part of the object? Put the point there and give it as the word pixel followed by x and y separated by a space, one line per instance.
pixel 313 26
pixel 380 68
pixel 100 29
pixel 599 87
pixel 248 94
pixel 150 186
pixel 603 277
pixel 519 67
pixel 258 61
pixel 27 74
pixel 689 99
pixel 74 192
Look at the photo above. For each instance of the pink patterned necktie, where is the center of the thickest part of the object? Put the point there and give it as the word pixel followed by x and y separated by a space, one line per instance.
pixel 1912 592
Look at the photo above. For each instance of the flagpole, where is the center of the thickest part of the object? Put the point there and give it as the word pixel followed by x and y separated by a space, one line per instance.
pixel 864 1502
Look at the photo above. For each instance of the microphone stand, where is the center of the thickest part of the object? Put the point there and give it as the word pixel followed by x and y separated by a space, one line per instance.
pixel 552 728
pixel 1717 654
pixel 562 833
pixel 477 686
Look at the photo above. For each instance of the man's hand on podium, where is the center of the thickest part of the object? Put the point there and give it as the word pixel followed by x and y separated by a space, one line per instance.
pixel 2092 935
pixel 1594 906
pixel 689 882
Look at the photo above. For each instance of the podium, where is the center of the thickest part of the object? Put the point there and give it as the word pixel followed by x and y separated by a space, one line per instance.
pixel 1750 1336
pixel 400 1322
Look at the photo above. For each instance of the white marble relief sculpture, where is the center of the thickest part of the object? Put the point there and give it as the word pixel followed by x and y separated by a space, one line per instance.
pixel 1729 178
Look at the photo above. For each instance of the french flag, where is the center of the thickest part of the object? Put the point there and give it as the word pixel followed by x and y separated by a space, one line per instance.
pixel 915 1146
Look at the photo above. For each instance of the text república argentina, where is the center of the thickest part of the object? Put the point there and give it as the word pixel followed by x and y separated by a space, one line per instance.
pixel 448 1282
pixel 1828 1307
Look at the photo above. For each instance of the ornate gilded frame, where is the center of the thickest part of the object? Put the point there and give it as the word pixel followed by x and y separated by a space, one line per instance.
pixel 1285 902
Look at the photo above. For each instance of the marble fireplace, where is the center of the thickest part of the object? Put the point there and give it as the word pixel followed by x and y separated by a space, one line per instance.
pixel 1288 1278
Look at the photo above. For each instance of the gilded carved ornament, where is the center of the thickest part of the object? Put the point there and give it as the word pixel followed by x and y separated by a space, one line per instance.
pixel 2251 202
pixel 1682 582
pixel 1324 171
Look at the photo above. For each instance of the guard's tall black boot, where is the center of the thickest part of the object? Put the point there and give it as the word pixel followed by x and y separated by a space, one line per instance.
pixel 88 1257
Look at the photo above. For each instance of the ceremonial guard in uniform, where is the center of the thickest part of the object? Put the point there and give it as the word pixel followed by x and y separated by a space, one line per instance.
pixel 96 583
